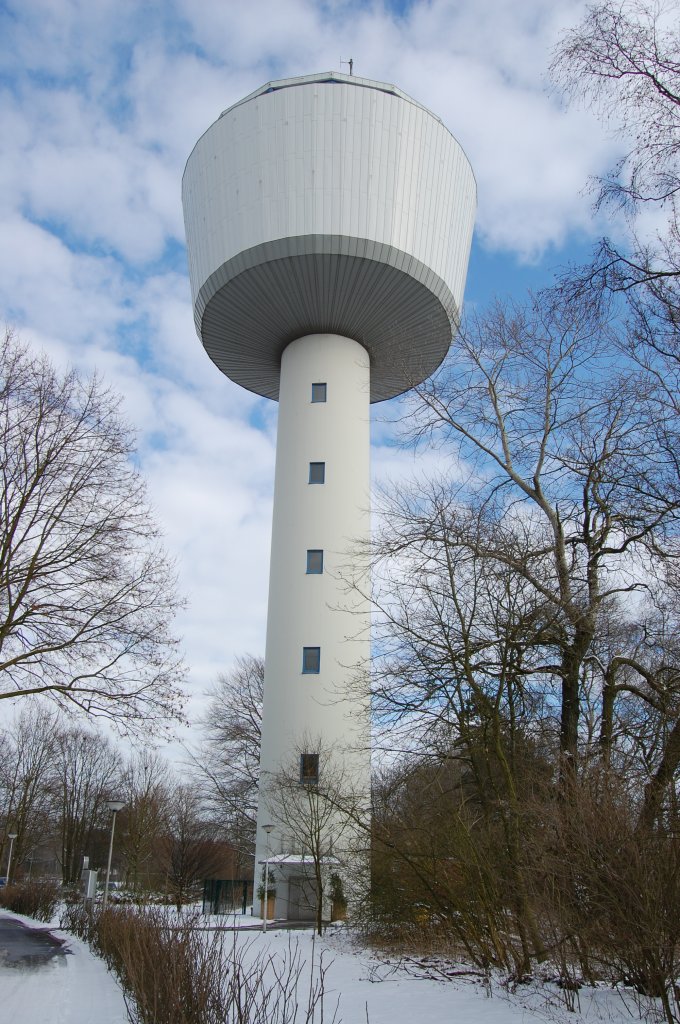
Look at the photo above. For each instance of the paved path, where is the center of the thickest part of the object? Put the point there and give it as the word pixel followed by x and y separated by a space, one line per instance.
pixel 41 985
pixel 21 946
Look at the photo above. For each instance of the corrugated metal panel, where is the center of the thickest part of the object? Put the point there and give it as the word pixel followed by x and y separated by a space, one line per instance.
pixel 247 323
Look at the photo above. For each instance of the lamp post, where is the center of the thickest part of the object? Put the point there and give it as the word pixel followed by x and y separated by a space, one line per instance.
pixel 11 836
pixel 268 829
pixel 114 806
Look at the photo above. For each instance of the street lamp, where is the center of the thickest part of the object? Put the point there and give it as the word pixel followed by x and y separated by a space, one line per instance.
pixel 114 806
pixel 11 836
pixel 268 829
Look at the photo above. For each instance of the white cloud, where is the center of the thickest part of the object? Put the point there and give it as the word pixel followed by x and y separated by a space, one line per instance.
pixel 101 102
pixel 253 34
pixel 47 286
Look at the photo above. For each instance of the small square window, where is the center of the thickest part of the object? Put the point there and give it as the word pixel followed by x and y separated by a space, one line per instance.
pixel 318 392
pixel 317 472
pixel 309 769
pixel 314 561
pixel 311 659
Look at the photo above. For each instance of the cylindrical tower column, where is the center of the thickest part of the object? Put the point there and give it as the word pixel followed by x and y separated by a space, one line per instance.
pixel 318 644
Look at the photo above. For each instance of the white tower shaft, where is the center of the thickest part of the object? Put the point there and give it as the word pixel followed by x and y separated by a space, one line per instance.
pixel 318 644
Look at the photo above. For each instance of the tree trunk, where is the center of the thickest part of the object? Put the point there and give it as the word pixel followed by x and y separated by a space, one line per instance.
pixel 607 726
pixel 572 661
pixel 654 790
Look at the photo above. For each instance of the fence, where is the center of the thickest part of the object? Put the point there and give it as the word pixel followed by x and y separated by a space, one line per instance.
pixel 227 895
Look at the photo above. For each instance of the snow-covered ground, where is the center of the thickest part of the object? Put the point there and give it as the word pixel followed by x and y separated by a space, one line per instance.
pixel 365 986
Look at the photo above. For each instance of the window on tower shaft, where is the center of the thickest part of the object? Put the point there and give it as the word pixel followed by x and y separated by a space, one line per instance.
pixel 311 660
pixel 314 561
pixel 317 472
pixel 318 392
pixel 309 769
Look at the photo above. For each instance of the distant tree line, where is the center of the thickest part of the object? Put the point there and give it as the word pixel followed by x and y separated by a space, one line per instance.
pixel 56 779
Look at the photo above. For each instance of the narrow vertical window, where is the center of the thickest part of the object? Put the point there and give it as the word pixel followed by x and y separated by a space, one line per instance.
pixel 311 659
pixel 314 561
pixel 309 769
pixel 317 472
pixel 318 392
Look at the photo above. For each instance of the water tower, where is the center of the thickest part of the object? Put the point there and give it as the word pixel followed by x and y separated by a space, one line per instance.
pixel 328 221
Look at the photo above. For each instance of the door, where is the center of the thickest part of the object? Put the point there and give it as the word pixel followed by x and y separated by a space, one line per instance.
pixel 301 899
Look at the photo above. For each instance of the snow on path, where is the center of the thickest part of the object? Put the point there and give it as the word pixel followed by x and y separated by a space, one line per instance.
pixel 71 989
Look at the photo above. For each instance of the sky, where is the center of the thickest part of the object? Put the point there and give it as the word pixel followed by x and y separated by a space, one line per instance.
pixel 101 102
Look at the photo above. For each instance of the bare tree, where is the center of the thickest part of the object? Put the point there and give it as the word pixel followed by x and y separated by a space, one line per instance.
pixel 228 760
pixel 526 625
pixel 86 593
pixel 189 849
pixel 566 484
pixel 86 774
pixel 26 766
pixel 467 681
pixel 322 820
pixel 622 59
pixel 145 788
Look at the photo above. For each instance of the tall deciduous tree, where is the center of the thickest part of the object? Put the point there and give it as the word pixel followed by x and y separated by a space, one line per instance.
pixel 86 775
pixel 190 851
pixel 622 59
pixel 87 594
pixel 568 486
pixel 27 750
pixel 228 762
pixel 145 788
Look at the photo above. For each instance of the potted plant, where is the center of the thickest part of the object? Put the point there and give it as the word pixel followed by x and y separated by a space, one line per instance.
pixel 271 893
pixel 338 899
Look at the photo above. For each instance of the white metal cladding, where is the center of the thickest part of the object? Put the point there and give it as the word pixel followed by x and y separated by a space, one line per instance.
pixel 288 188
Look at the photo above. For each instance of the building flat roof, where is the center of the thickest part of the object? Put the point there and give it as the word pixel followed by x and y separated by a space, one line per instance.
pixel 328 77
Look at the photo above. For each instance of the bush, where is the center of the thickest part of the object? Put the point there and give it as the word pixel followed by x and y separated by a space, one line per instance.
pixel 77 918
pixel 32 899
pixel 179 974
pixel 610 891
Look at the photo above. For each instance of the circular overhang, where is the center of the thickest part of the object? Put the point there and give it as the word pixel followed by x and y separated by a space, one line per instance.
pixel 258 302
pixel 328 204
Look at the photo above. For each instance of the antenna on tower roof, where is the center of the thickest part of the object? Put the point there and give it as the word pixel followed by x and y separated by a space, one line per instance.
pixel 350 62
